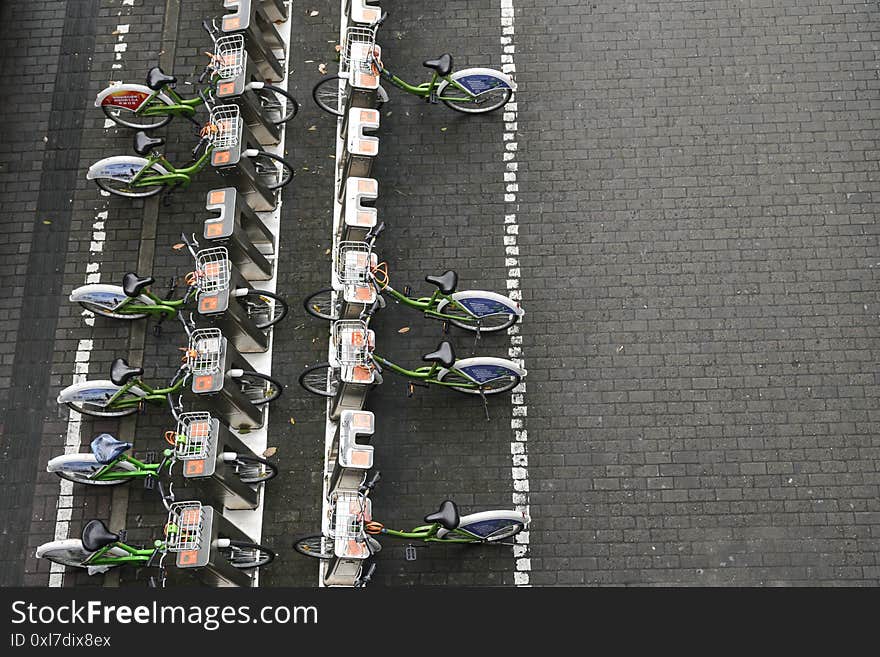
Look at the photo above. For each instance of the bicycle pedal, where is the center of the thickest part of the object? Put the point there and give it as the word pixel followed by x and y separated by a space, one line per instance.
pixel 410 553
pixel 157 330
pixel 123 535
pixel 410 390
pixel 149 484
pixel 407 290
pixel 445 328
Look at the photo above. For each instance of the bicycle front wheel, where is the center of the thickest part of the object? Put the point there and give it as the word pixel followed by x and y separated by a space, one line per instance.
pixel 463 384
pixel 265 308
pixel 328 93
pixel 129 118
pixel 484 324
pixel 276 105
pixel 253 470
pixel 317 546
pixel 273 176
pixel 125 189
pixel 244 555
pixel 320 304
pixel 259 388
pixel 320 380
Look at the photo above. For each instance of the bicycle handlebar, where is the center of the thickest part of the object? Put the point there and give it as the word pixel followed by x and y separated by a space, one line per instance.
pixel 371 484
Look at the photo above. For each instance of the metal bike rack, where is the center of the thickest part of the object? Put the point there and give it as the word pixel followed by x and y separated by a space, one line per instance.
pixel 230 162
pixel 361 87
pixel 261 38
pixel 210 389
pixel 362 11
pixel 360 149
pixel 202 557
pixel 203 465
pixel 276 10
pixel 349 512
pixel 351 459
pixel 218 306
pixel 357 218
pixel 242 232
pixel 352 262
pixel 351 343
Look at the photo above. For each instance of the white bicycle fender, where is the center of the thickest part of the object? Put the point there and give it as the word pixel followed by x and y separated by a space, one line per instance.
pixel 93 391
pixel 107 296
pixel 489 298
pixel 120 167
pixel 129 96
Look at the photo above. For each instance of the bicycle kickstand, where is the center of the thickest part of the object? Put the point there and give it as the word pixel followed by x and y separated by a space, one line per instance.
pixel 410 388
pixel 485 405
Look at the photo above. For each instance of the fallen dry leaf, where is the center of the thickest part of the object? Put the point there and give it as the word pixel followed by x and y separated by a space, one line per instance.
pixel 313 128
pixel 327 252
pixel 178 246
pixel 46 222
pixel 620 348
pixel 322 68
pixel 443 129
pixel 405 329
pixel 270 451
pixel 313 13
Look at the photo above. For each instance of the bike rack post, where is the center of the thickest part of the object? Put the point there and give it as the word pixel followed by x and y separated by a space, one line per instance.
pixel 365 12
pixel 230 163
pixel 356 66
pixel 357 218
pixel 360 150
pixel 261 37
pixel 276 10
pixel 204 559
pixel 349 512
pixel 211 389
pixel 242 232
pixel 351 459
pixel 203 464
pixel 218 305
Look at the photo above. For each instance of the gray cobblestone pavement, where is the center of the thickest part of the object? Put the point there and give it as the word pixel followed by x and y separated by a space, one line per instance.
pixel 698 243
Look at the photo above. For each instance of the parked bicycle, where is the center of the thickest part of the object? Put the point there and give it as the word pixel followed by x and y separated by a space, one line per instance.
pixel 142 177
pixel 481 375
pixel 446 525
pixel 126 393
pixel 154 105
pixel 109 464
pixel 471 90
pixel 473 310
pixel 134 300
pixel 99 549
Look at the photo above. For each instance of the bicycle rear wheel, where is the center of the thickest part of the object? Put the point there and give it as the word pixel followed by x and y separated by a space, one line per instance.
pixel 95 410
pixel 320 304
pixel 320 380
pixel 131 119
pixel 266 167
pixel 316 546
pixel 485 323
pixel 259 388
pixel 265 308
pixel 253 470
pixel 326 93
pixel 275 109
pixel 496 386
pixel 125 189
pixel 244 555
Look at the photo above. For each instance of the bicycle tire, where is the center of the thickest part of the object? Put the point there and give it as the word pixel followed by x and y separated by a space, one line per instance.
pixel 469 104
pixel 314 305
pixel 280 307
pixel 446 308
pixel 264 557
pixel 323 93
pixel 139 192
pixel 271 469
pixel 450 377
pixel 314 546
pixel 292 107
pixel 83 477
pixel 120 412
pixel 256 397
pixel 312 377
pixel 284 180
pixel 159 123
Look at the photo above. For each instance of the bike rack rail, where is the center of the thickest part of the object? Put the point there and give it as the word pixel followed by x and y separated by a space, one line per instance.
pixel 204 467
pixel 262 40
pixel 244 234
pixel 219 307
pixel 229 159
pixel 211 390
pixel 357 218
pixel 350 458
pixel 360 149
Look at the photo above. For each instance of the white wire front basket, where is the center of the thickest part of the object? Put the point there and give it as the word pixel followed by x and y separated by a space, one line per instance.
pixel 229 55
pixel 357 51
pixel 184 527
pixel 194 437
pixel 226 122
pixel 353 342
pixel 353 261
pixel 348 513
pixel 205 347
pixel 212 270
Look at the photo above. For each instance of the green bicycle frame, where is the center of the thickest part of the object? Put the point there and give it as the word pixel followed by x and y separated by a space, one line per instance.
pixel 143 469
pixel 134 555
pixel 427 304
pixel 154 395
pixel 185 107
pixel 428 534
pixel 167 307
pixel 174 176
pixel 425 89
pixel 426 373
